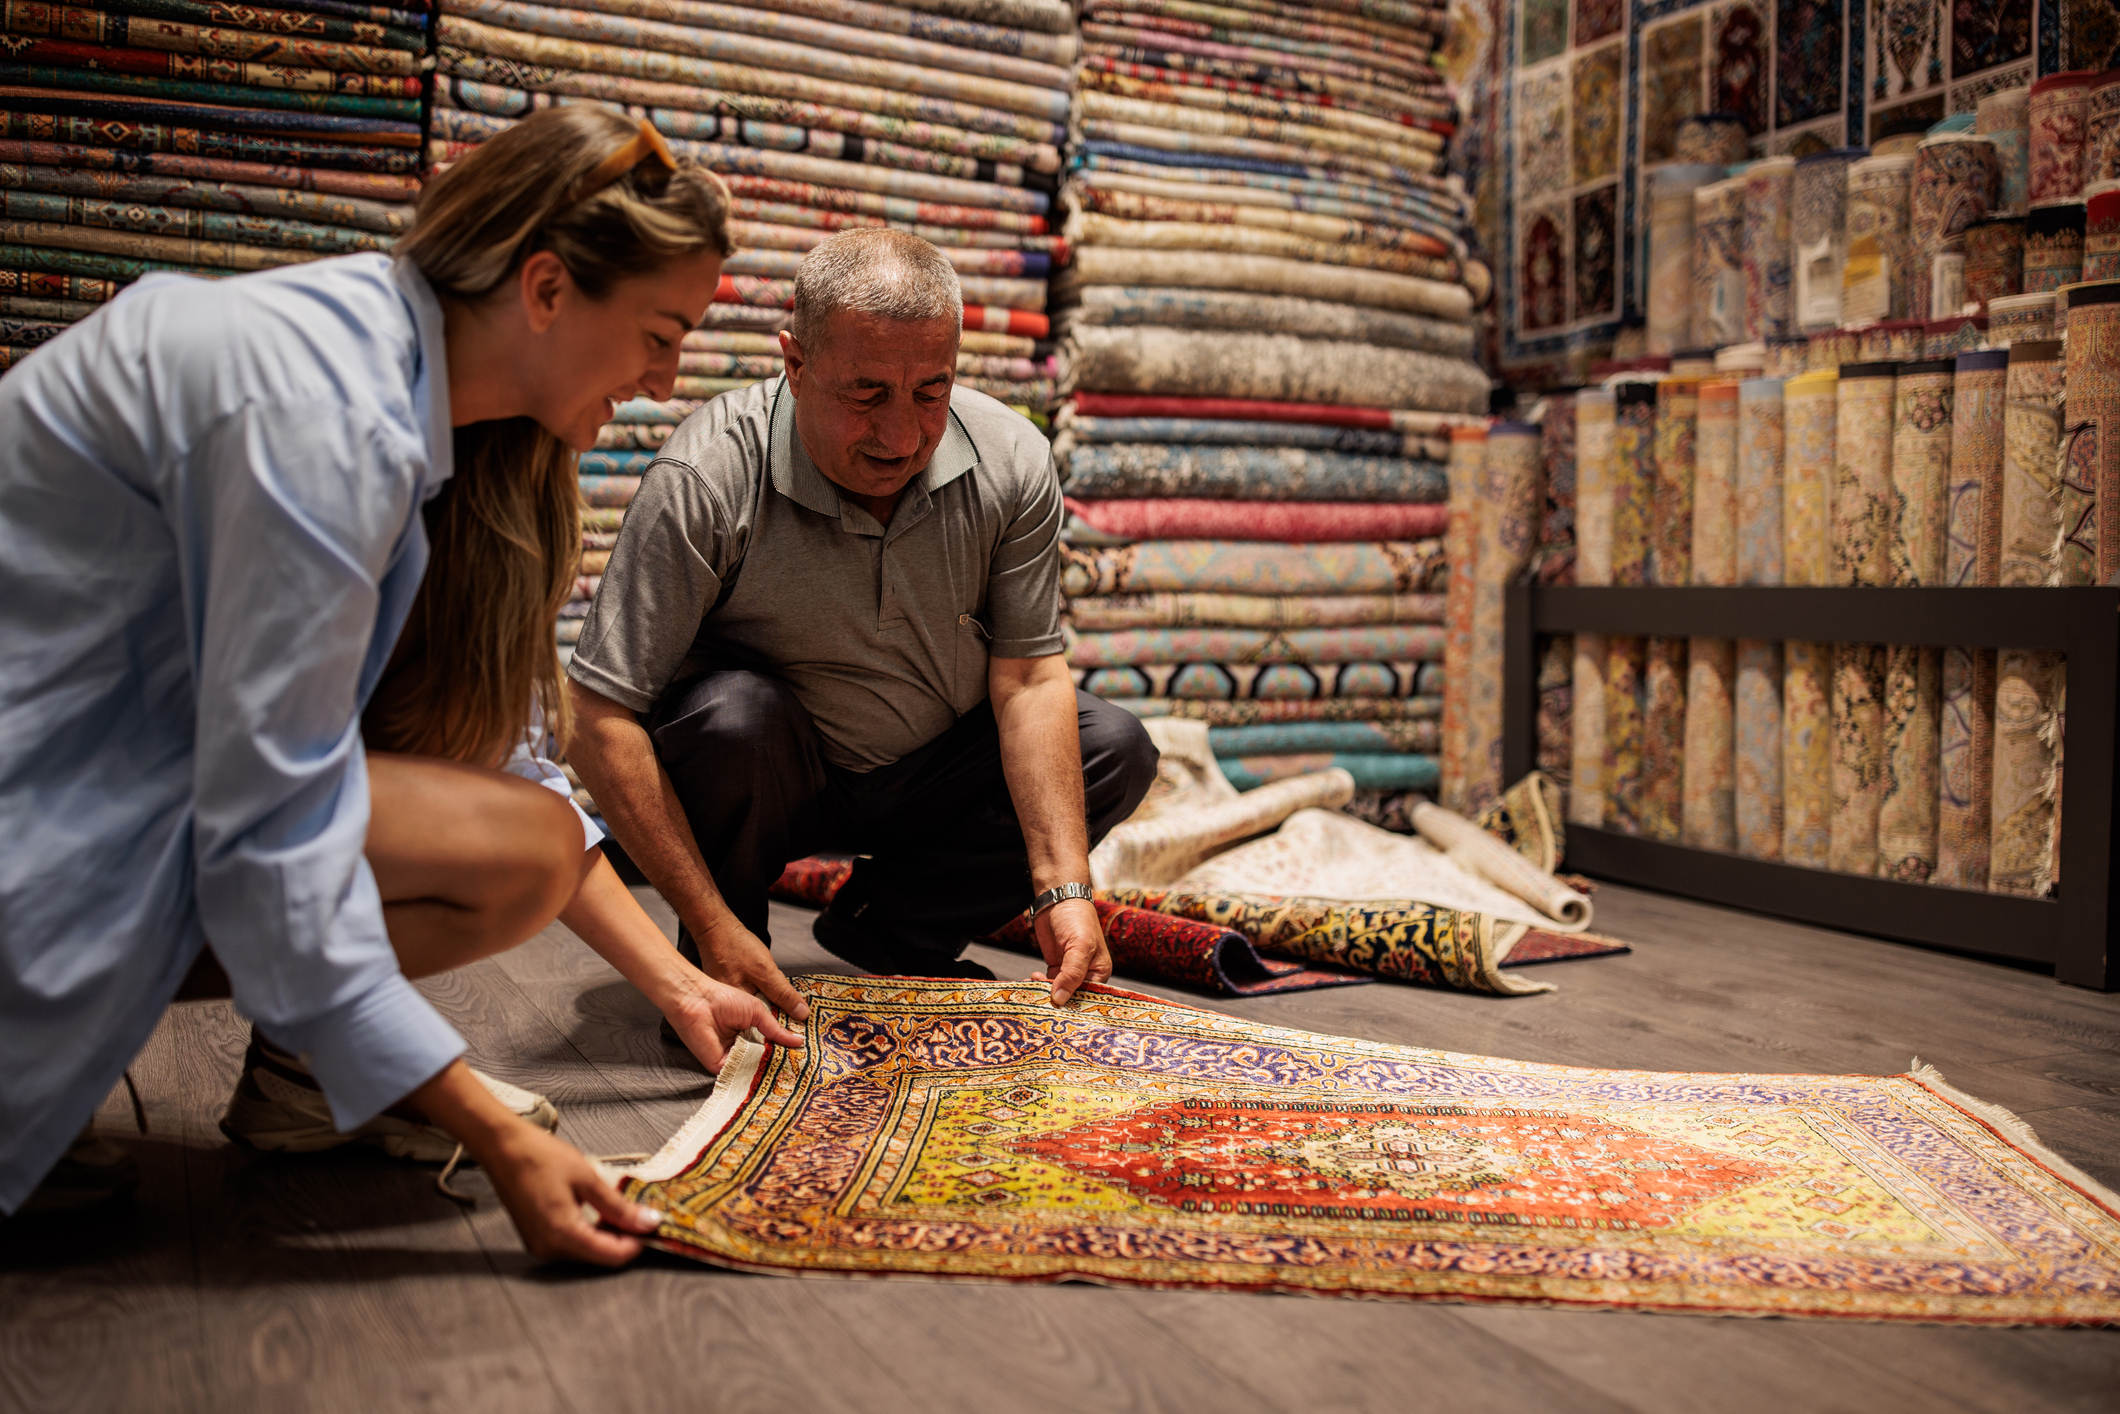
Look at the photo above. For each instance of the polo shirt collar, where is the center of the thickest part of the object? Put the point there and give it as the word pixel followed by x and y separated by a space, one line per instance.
pixel 796 476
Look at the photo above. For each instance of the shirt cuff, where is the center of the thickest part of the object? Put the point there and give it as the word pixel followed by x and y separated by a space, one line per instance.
pixel 371 1052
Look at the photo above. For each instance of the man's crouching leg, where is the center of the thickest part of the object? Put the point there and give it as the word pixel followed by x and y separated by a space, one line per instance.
pixel 1118 764
pixel 743 757
pixel 947 861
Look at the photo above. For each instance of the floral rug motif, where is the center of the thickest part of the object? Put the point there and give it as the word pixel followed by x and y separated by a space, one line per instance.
pixel 972 1131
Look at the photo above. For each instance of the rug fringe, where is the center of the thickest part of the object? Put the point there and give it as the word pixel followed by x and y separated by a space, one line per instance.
pixel 1497 937
pixel 2014 1128
pixel 731 1087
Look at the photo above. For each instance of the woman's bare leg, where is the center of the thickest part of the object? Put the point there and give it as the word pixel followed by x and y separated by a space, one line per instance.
pixel 470 861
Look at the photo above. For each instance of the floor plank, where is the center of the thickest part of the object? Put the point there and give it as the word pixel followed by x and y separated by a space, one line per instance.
pixel 344 1282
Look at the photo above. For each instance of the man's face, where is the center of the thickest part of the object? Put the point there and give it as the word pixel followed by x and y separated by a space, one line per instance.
pixel 872 404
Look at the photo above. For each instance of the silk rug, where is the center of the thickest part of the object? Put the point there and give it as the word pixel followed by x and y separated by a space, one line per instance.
pixel 972 1131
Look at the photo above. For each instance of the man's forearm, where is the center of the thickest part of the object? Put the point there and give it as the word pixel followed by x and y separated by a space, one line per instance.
pixel 616 761
pixel 1041 756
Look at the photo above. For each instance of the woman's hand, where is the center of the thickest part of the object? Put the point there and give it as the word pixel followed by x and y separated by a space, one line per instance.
pixel 711 1015
pixel 544 1182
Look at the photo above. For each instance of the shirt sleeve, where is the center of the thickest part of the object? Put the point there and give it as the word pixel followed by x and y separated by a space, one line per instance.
pixel 1023 581
pixel 530 761
pixel 297 516
pixel 660 583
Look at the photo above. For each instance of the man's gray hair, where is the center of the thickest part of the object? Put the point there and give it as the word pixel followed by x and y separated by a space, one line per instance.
pixel 886 273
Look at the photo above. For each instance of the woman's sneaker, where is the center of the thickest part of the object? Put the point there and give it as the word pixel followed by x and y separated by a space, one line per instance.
pixel 278 1107
pixel 92 1173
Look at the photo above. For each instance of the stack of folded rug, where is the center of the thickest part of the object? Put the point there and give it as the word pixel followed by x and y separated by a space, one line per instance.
pixel 821 115
pixel 196 136
pixel 1267 337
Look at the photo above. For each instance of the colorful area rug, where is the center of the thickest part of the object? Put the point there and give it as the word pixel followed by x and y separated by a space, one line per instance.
pixel 972 1131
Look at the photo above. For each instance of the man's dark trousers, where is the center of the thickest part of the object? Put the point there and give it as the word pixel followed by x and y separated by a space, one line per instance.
pixel 945 859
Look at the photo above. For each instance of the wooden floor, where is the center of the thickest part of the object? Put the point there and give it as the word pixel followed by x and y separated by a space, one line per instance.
pixel 344 1282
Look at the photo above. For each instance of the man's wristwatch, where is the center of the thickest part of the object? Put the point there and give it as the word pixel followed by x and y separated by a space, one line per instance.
pixel 1059 893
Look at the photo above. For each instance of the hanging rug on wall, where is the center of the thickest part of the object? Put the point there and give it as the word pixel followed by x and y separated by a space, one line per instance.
pixel 972 1131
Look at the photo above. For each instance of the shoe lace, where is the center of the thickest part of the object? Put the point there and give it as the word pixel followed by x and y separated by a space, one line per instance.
pixel 470 1200
pixel 139 1109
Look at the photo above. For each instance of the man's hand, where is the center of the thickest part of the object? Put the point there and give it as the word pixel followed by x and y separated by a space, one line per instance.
pixel 712 1018
pixel 1072 941
pixel 731 953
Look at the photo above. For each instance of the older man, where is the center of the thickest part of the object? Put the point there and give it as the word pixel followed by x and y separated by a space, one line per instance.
pixel 832 622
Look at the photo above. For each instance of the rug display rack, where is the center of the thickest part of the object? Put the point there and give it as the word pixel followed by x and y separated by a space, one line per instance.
pixel 2072 930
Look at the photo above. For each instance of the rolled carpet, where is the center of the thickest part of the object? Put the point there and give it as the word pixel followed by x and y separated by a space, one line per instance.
pixel 1163 947
pixel 1407 420
pixel 1262 682
pixel 1208 208
pixel 1199 431
pixel 769 293
pixel 1301 189
pixel 41 170
pixel 1113 305
pixel 515 87
pixel 1370 772
pixel 1115 611
pixel 1414 737
pixel 1391 643
pixel 1159 946
pixel 94 268
pixel 707 50
pixel 186 223
pixel 1277 367
pixel 176 251
pixel 1205 244
pixel 1858 756
pixel 1306 521
pixel 1252 474
pixel 117 119
pixel 1266 274
pixel 1247 714
pixel 781 262
pixel 1179 131
pixel 1245 567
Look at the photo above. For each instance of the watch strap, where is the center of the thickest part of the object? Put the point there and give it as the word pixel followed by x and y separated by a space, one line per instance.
pixel 1059 893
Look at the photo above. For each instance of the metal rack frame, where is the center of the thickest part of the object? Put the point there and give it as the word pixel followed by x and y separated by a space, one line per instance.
pixel 2073 931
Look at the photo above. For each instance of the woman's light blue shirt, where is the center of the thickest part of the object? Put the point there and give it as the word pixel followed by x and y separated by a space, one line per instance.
pixel 209 539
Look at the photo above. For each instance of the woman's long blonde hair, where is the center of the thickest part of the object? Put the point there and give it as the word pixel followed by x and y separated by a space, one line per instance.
pixel 479 648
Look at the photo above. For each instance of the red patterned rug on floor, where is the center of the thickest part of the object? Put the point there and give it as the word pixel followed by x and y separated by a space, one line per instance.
pixel 973 1131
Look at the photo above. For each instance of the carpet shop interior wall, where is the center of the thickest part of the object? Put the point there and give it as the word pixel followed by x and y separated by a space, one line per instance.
pixel 1574 103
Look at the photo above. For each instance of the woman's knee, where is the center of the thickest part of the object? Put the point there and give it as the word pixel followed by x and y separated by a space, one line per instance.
pixel 502 851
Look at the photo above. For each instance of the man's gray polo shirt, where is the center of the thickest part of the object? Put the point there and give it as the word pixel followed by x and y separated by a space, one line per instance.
pixel 737 552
